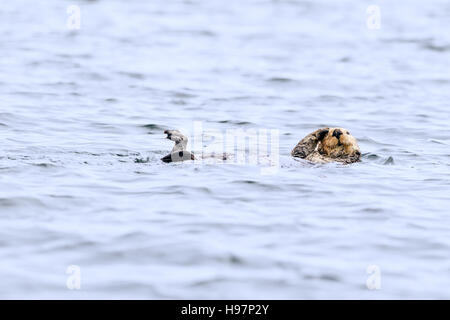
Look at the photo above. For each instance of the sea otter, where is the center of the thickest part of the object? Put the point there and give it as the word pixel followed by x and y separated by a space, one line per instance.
pixel 328 145
pixel 180 153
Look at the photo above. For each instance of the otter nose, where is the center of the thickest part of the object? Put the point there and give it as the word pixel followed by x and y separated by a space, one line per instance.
pixel 337 134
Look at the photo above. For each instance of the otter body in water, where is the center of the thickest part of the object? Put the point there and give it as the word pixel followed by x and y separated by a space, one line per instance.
pixel 321 146
pixel 328 145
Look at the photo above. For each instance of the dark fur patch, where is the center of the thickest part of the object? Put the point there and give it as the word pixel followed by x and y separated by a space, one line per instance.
pixel 322 134
pixel 337 133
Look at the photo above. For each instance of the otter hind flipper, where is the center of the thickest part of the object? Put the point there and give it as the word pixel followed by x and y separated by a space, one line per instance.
pixel 179 139
pixel 179 151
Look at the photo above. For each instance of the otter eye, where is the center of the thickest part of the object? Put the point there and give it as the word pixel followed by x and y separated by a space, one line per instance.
pixel 348 132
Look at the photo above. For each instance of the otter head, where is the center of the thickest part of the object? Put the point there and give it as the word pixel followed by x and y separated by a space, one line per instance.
pixel 338 143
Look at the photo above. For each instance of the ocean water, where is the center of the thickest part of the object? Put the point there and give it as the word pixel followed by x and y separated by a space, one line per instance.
pixel 79 107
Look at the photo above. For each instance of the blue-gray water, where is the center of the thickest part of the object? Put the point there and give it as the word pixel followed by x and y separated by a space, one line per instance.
pixel 78 107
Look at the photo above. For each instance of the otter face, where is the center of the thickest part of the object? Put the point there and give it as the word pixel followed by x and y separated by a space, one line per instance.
pixel 339 143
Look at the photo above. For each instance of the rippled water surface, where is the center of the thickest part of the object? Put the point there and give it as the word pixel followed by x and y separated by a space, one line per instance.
pixel 77 108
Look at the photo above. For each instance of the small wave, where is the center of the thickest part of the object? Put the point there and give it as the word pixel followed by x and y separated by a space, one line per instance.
pixel 34 94
pixel 375 157
pixel 20 201
pixel 372 210
pixel 280 80
pixel 325 277
pixel 345 59
pixel 106 127
pixel 44 165
pixel 370 140
pixel 408 40
pixel 204 33
pixel 437 141
pixel 437 48
pixel 170 190
pixel 240 99
pixel 154 127
pixel 61 83
pixel 180 102
pixel 183 95
pixel 258 184
pixel 125 154
pixel 246 181
pixel 238 123
pixel 142 160
pixel 389 161
pixel 328 97
pixel 410 154
pixel 90 153
pixel 370 156
pixel 133 75
pixel 82 55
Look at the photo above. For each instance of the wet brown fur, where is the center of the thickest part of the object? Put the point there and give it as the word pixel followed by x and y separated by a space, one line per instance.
pixel 328 145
